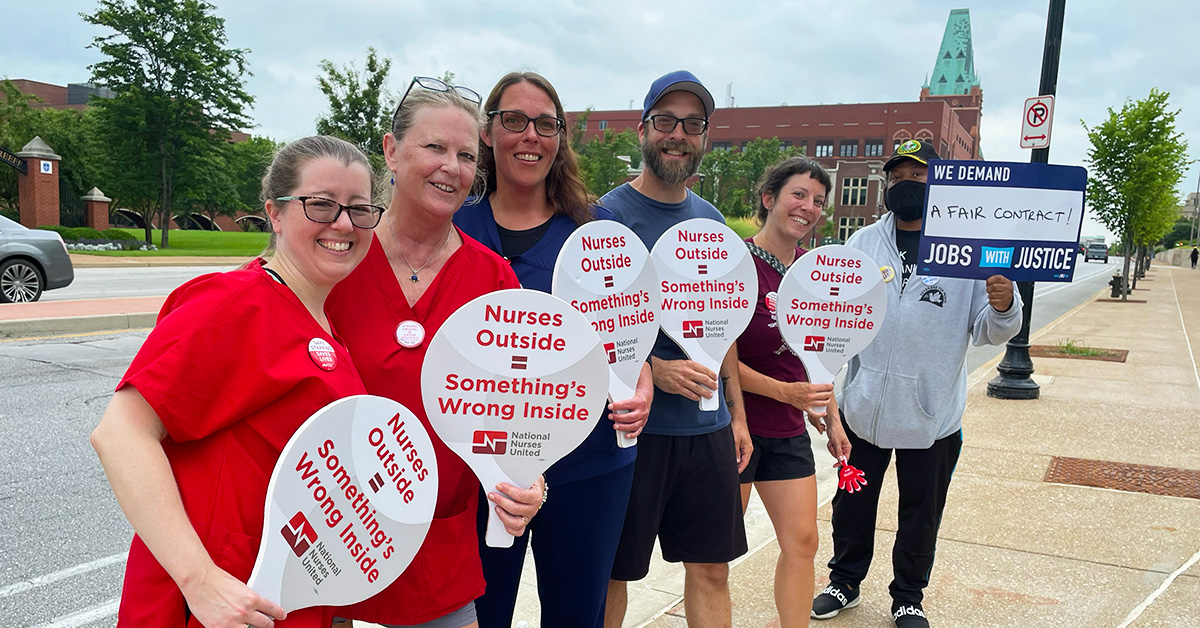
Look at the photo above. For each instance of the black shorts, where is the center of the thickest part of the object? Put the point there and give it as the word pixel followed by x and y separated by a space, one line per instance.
pixel 685 492
pixel 780 459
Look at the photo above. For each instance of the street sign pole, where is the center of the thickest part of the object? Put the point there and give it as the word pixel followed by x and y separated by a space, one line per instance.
pixel 1016 369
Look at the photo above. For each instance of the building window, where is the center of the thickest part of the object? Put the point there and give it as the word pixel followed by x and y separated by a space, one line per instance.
pixel 873 148
pixel 722 145
pixel 854 191
pixel 847 225
pixel 785 143
pixel 825 148
pixel 896 144
pixel 849 148
pixel 603 124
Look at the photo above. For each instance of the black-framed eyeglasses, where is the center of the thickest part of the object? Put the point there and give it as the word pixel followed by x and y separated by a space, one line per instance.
pixel 324 210
pixel 665 123
pixel 438 85
pixel 517 122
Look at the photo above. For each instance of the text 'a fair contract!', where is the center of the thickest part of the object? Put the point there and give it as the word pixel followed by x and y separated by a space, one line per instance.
pixel 709 285
pixel 604 271
pixel 513 381
pixel 1020 220
pixel 349 504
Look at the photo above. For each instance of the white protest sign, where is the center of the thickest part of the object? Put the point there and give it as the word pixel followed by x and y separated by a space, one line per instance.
pixel 830 306
pixel 348 506
pixel 512 382
pixel 1000 218
pixel 708 283
pixel 603 271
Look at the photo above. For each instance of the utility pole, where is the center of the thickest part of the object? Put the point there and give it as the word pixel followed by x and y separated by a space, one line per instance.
pixel 1014 381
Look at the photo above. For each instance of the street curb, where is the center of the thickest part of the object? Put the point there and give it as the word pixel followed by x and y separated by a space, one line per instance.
pixel 76 324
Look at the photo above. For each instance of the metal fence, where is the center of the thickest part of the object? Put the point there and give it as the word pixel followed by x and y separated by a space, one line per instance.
pixel 70 207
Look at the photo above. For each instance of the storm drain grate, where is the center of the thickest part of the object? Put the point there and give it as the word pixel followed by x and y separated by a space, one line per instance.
pixel 1121 476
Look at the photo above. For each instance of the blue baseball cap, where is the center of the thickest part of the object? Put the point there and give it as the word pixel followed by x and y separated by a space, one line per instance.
pixel 679 80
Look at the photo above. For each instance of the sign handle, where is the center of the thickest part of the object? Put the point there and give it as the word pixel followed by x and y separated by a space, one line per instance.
pixel 496 535
pixel 617 390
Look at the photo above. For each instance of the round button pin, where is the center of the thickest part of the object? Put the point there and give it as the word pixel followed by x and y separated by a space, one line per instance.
pixel 410 334
pixel 322 354
pixel 888 272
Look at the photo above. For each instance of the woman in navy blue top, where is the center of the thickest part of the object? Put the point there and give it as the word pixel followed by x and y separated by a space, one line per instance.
pixel 535 198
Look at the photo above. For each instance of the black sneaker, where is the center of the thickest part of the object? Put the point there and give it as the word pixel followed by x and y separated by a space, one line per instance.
pixel 909 616
pixel 834 599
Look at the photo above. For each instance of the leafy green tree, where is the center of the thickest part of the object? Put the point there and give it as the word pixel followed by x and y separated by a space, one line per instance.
pixel 177 81
pixel 604 162
pixel 1136 161
pixel 1181 231
pixel 360 106
pixel 731 176
pixel 248 162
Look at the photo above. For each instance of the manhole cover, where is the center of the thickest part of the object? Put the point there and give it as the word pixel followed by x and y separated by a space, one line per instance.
pixel 1137 478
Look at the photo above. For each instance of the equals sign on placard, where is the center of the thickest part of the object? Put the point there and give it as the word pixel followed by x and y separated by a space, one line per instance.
pixel 608 281
pixel 376 482
pixel 834 290
pixel 519 362
pixel 701 269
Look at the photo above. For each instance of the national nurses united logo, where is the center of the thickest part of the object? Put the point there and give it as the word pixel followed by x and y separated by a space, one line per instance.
pixel 299 534
pixel 489 442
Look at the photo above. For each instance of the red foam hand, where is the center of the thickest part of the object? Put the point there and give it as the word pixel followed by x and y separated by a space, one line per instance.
pixel 850 479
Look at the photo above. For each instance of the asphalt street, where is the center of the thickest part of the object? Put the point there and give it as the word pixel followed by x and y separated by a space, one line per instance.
pixel 62 535
pixel 109 283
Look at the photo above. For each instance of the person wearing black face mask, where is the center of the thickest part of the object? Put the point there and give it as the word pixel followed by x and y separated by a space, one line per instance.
pixel 907 392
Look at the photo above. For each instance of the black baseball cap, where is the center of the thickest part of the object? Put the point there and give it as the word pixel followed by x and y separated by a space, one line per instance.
pixel 919 151
pixel 679 80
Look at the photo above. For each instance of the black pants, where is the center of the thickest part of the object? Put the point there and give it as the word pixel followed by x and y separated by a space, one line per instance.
pixel 923 476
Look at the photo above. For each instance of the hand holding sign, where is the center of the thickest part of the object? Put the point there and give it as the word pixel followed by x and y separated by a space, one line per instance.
pixel 513 381
pixel 602 271
pixel 831 303
pixel 348 506
pixel 706 274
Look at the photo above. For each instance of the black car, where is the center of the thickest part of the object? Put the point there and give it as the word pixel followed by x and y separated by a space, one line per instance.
pixel 31 261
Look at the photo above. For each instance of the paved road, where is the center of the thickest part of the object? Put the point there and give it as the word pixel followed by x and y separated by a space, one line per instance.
pixel 105 283
pixel 62 536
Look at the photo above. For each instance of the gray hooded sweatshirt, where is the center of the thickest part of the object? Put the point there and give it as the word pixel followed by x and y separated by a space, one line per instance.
pixel 908 388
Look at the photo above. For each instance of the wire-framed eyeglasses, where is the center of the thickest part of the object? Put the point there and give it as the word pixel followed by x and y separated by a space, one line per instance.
pixel 438 85
pixel 665 123
pixel 324 210
pixel 517 122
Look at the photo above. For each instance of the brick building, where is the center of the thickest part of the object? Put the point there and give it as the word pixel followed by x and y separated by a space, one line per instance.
pixel 853 141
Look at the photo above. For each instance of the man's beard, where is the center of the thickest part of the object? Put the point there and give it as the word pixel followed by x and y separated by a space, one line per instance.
pixel 676 172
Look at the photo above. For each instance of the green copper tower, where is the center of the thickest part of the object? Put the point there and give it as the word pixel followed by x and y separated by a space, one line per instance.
pixel 954 80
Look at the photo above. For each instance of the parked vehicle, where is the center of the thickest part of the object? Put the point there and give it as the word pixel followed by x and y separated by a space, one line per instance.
pixel 1097 250
pixel 31 261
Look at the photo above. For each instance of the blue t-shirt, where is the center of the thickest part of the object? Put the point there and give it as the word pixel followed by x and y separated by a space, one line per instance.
pixel 670 415
pixel 598 454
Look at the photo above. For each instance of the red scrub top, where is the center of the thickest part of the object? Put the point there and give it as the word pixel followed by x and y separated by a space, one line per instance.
pixel 227 369
pixel 367 306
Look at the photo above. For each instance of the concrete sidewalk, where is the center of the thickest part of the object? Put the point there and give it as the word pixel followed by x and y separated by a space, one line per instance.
pixel 1018 551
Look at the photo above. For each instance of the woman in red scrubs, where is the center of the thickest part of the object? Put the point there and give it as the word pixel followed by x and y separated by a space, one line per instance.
pixel 237 362
pixel 418 271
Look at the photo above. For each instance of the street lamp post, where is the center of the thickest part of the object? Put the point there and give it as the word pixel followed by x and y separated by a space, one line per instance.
pixel 1016 369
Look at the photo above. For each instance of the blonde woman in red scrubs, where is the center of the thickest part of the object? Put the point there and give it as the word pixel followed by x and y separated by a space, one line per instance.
pixel 237 362
pixel 419 270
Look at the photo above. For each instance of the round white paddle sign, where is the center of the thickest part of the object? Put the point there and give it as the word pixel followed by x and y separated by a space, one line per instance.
pixel 830 306
pixel 348 506
pixel 603 271
pixel 513 381
pixel 709 285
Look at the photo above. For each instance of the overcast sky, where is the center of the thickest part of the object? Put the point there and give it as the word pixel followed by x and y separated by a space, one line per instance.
pixel 605 54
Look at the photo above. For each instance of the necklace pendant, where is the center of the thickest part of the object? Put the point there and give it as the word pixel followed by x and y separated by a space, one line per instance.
pixel 414 278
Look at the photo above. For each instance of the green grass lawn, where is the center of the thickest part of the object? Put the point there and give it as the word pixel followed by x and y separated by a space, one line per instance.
pixel 196 243
pixel 744 227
